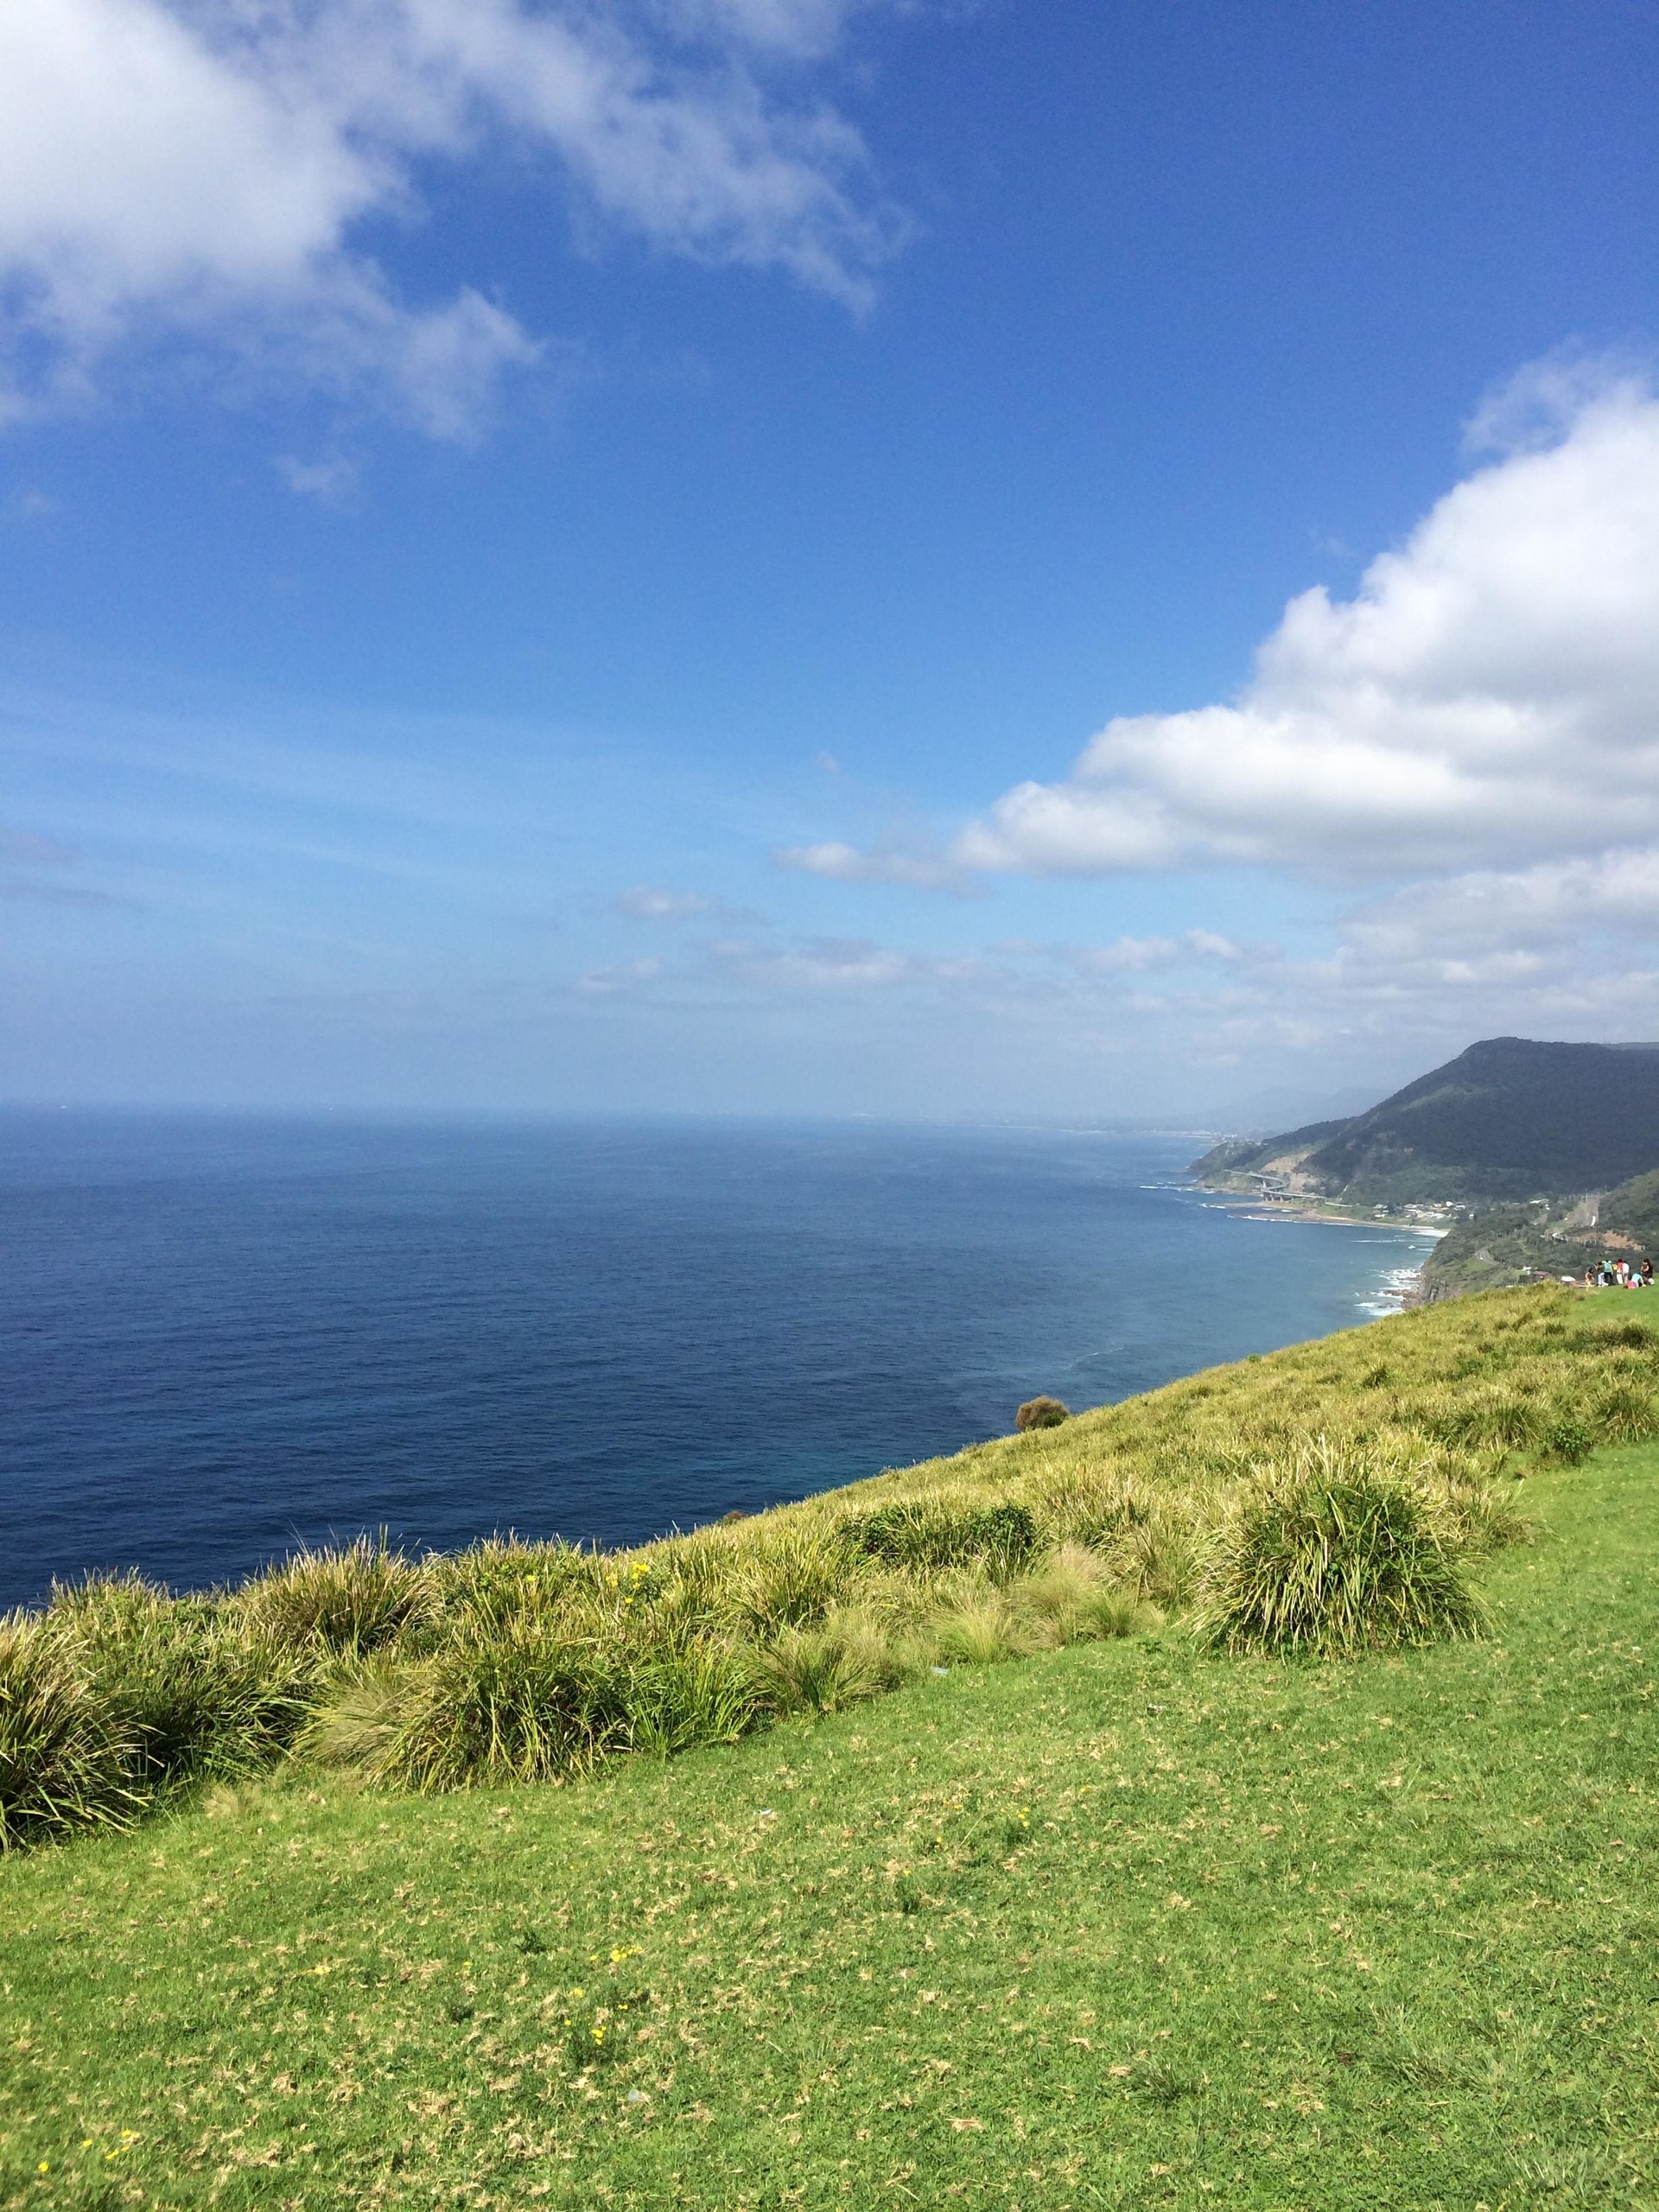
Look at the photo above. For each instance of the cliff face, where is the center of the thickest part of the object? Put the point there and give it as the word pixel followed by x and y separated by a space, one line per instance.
pixel 1509 1119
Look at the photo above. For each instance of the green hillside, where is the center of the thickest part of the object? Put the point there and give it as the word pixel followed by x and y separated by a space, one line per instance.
pixel 1510 1244
pixel 1509 1119
pixel 1122 1924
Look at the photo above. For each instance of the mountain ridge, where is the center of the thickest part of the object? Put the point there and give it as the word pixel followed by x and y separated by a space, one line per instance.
pixel 1509 1119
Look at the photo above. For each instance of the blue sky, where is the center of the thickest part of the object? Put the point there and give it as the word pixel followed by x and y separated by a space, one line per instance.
pixel 735 554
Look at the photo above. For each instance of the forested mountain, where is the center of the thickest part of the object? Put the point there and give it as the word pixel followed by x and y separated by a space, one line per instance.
pixel 1509 1119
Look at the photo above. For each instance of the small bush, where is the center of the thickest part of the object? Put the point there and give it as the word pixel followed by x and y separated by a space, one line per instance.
pixel 64 1757
pixel 1335 1555
pixel 1568 1437
pixel 351 1601
pixel 1041 1413
pixel 928 1537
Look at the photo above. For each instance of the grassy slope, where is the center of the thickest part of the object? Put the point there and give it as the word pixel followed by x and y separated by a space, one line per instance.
pixel 1184 1931
pixel 1504 1244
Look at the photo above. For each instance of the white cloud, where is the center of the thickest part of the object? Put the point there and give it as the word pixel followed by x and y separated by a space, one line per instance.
pixel 1560 925
pixel 842 864
pixel 1130 954
pixel 199 167
pixel 1479 723
pixel 1489 696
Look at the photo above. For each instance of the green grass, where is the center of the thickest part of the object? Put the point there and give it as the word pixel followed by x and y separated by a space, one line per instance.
pixel 1119 1924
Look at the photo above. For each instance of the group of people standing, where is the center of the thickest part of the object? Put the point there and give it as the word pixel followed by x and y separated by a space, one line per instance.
pixel 1620 1274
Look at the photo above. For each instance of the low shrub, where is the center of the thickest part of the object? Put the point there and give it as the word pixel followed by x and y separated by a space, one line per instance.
pixel 1337 1554
pixel 1041 1413
pixel 65 1759
pixel 1567 1436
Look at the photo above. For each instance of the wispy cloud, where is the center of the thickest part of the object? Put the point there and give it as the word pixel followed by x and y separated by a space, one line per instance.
pixel 650 902
pixel 204 171
pixel 840 863
pixel 622 975
pixel 331 482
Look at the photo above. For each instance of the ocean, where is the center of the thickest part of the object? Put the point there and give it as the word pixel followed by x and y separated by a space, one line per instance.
pixel 223 1338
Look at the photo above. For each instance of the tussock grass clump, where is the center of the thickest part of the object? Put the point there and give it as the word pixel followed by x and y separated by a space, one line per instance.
pixel 357 1726
pixel 64 1758
pixel 824 1671
pixel 524 1703
pixel 1339 1553
pixel 353 1600
pixel 708 1693
pixel 1623 1410
pixel 931 1535
pixel 492 1582
pixel 1632 1332
pixel 792 1577
pixel 1505 1417
pixel 537 1701
pixel 1072 1591
pixel 979 1632
pixel 1041 1413
pixel 195 1688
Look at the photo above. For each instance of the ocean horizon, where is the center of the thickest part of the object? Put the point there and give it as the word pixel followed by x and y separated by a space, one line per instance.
pixel 224 1337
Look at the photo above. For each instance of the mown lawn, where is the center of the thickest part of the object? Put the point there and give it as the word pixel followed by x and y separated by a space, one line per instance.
pixel 1122 1925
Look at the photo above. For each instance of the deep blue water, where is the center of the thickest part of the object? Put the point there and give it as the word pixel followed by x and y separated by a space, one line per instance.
pixel 219 1338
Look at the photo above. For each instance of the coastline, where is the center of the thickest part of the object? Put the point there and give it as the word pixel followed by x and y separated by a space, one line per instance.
pixel 1252 1208
pixel 1400 1288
